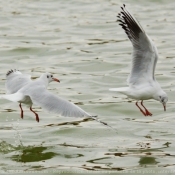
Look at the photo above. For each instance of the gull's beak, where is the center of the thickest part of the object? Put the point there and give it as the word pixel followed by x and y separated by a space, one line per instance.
pixel 55 79
pixel 164 105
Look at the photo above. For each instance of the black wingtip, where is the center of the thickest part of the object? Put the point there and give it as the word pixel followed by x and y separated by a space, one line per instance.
pixel 123 6
pixel 130 25
pixel 11 71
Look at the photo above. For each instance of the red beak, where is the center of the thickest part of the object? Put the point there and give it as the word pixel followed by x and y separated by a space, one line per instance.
pixel 164 107
pixel 55 79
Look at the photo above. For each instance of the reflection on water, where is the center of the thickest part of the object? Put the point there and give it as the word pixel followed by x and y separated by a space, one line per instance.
pixel 5 147
pixel 33 154
pixel 148 160
pixel 81 43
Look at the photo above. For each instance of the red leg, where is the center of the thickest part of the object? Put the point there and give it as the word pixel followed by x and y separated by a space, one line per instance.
pixel 141 109
pixel 37 118
pixel 146 110
pixel 21 110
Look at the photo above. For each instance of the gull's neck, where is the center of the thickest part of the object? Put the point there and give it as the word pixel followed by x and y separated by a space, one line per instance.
pixel 158 93
pixel 44 80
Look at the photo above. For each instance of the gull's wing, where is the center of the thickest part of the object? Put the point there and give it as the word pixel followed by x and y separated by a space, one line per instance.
pixel 145 53
pixel 50 102
pixel 15 80
pixel 37 93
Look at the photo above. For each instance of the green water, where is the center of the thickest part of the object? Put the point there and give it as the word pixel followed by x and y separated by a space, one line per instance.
pixel 81 43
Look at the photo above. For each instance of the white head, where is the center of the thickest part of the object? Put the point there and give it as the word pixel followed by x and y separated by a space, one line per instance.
pixel 48 77
pixel 162 97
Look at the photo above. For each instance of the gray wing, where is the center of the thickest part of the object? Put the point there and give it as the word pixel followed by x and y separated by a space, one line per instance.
pixel 50 102
pixel 15 80
pixel 145 53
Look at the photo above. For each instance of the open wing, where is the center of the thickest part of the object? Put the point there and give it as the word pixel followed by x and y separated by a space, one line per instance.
pixel 144 51
pixel 50 102
pixel 16 80
pixel 36 93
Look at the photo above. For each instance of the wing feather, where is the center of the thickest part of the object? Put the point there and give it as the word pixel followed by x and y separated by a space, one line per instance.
pixel 16 80
pixel 145 53
pixel 50 102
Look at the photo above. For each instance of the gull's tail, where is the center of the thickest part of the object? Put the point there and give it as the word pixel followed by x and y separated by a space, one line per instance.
pixel 122 90
pixel 104 123
pixel 12 97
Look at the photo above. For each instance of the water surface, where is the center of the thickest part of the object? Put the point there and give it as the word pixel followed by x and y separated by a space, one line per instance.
pixel 81 43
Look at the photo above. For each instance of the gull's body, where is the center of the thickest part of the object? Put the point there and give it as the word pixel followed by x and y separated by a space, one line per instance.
pixel 20 88
pixel 142 82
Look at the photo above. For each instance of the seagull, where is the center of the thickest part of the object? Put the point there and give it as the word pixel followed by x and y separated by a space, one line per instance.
pixel 142 82
pixel 20 88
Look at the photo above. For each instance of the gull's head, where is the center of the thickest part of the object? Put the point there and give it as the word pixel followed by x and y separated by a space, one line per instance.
pixel 48 77
pixel 163 98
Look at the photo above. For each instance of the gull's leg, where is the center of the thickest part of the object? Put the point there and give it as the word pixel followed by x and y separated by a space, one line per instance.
pixel 21 110
pixel 146 110
pixel 37 118
pixel 141 109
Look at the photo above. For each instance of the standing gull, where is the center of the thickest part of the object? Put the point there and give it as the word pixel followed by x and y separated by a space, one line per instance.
pixel 20 88
pixel 142 82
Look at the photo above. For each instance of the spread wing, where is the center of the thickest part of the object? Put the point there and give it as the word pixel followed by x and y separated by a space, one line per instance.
pixel 50 102
pixel 39 95
pixel 16 80
pixel 145 53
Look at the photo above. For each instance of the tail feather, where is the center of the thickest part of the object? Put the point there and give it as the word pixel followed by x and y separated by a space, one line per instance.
pixel 122 89
pixel 12 97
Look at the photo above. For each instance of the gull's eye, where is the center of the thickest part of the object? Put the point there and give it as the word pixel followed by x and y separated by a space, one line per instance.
pixel 160 97
pixel 47 76
pixel 51 76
